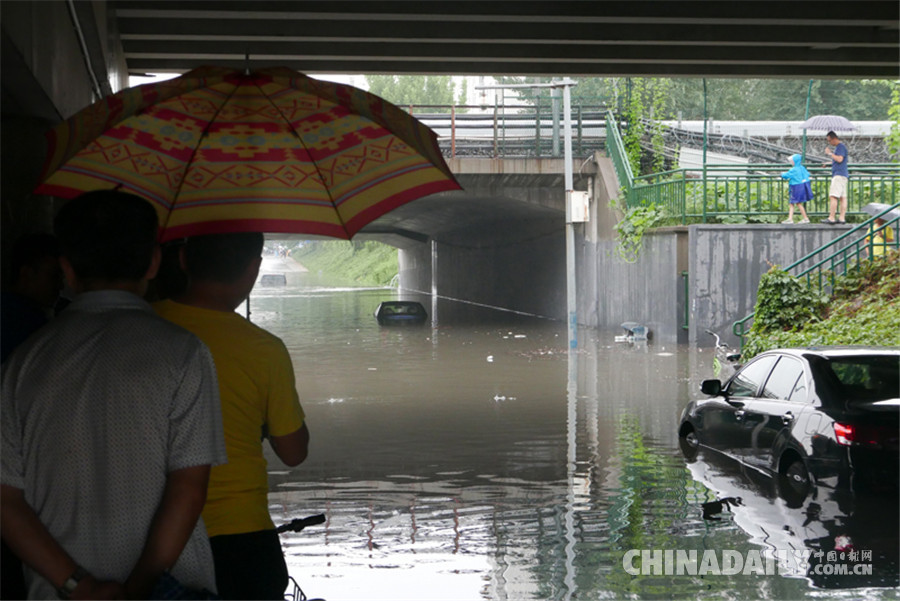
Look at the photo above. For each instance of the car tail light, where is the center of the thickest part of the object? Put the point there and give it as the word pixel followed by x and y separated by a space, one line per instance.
pixel 850 434
pixel 844 433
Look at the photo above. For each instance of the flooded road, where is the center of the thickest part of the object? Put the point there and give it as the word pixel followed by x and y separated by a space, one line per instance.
pixel 475 458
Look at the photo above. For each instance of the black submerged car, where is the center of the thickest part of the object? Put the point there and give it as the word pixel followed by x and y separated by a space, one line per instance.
pixel 393 313
pixel 829 416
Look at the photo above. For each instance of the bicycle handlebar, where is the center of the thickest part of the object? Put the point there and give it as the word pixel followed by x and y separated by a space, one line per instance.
pixel 299 524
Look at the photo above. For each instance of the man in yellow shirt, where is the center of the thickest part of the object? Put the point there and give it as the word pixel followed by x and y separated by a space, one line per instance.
pixel 882 239
pixel 259 400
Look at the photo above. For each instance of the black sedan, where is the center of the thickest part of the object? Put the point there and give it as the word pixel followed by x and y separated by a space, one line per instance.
pixel 829 416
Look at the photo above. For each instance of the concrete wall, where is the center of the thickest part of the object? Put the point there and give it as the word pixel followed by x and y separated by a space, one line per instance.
pixel 724 264
pixel 649 290
pixel 727 261
pixel 45 80
pixel 518 275
pixel 415 267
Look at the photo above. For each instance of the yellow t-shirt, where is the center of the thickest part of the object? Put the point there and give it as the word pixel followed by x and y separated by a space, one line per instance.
pixel 880 239
pixel 257 387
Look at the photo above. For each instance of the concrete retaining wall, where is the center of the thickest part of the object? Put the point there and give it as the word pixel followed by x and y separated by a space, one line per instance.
pixel 649 291
pixel 727 261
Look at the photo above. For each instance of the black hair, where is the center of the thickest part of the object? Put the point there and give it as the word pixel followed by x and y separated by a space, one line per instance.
pixel 30 250
pixel 221 257
pixel 831 134
pixel 107 235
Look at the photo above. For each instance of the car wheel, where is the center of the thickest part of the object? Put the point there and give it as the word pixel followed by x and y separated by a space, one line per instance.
pixel 796 473
pixel 688 442
pixel 794 484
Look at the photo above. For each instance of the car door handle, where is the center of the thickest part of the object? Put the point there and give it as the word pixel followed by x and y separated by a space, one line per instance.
pixel 739 414
pixel 787 418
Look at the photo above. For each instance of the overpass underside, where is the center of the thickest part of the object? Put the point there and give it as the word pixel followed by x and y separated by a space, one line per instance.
pixel 499 242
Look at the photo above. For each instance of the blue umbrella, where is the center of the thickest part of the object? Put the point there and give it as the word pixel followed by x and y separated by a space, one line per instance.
pixel 829 123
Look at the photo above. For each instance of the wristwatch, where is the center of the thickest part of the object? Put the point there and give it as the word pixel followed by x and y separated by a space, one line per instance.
pixel 68 587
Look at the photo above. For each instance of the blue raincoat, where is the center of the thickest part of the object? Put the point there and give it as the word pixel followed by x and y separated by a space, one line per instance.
pixel 798 181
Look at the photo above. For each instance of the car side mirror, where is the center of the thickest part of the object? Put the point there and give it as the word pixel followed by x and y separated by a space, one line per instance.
pixel 711 387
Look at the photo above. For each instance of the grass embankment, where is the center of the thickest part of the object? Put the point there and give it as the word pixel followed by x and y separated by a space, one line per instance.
pixel 359 263
pixel 865 309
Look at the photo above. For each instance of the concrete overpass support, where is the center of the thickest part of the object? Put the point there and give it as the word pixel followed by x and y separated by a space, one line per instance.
pixel 499 269
pixel 57 58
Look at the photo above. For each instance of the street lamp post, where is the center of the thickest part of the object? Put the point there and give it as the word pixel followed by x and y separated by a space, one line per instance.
pixel 571 289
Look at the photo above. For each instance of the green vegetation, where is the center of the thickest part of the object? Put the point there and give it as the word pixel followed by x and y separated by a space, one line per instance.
pixel 893 139
pixel 406 90
pixel 360 263
pixel 865 309
pixel 733 99
pixel 630 230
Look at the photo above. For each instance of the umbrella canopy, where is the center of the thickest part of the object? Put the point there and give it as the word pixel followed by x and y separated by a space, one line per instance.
pixel 876 209
pixel 218 150
pixel 829 123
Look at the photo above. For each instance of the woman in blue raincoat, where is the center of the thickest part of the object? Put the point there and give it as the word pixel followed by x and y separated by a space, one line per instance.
pixel 801 190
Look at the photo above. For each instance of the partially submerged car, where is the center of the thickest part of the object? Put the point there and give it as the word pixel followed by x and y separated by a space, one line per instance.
pixel 273 279
pixel 400 313
pixel 826 415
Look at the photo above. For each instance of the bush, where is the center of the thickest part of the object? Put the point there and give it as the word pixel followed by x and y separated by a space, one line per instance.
pixel 865 309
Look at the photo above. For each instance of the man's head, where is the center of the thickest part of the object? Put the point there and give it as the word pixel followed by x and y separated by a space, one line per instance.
pixel 221 268
pixel 34 268
pixel 832 138
pixel 222 258
pixel 107 238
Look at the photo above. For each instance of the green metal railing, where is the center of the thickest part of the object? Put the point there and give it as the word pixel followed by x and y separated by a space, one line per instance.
pixel 844 253
pixel 615 148
pixel 756 191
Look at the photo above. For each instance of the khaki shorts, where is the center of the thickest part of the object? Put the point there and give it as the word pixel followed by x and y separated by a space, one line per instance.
pixel 838 187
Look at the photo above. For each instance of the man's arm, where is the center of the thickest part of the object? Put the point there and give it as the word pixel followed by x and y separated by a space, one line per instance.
pixel 292 448
pixel 178 512
pixel 27 536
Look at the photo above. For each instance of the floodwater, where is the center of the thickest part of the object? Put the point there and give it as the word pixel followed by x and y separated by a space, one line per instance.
pixel 475 458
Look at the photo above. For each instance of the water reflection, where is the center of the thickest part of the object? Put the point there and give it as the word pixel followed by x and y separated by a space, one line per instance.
pixel 475 457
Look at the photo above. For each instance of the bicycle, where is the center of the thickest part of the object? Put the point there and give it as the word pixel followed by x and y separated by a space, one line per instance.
pixel 725 358
pixel 297 525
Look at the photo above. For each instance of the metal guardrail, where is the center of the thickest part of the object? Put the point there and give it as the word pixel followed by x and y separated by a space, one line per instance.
pixel 521 130
pixel 615 148
pixel 844 253
pixel 756 191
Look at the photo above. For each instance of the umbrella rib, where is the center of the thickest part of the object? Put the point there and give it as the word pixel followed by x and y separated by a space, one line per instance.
pixel 190 160
pixel 312 160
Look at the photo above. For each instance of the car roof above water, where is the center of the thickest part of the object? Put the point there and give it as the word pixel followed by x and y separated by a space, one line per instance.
pixel 840 351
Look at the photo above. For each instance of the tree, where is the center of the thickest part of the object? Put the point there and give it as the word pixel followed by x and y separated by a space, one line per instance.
pixel 417 90
pixel 736 99
pixel 893 139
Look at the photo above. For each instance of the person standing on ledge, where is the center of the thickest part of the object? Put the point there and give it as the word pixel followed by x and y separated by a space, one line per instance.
pixel 259 401
pixel 800 189
pixel 840 176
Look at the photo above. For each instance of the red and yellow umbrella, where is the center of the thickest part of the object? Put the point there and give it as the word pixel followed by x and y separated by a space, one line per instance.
pixel 218 150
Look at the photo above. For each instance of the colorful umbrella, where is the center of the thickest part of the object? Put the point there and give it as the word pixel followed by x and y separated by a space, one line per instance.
pixel 829 123
pixel 218 150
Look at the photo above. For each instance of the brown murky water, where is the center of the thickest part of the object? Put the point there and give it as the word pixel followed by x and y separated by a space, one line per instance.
pixel 475 458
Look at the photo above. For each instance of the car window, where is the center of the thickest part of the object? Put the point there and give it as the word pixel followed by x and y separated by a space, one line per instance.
pixel 800 394
pixel 783 381
pixel 867 378
pixel 748 380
